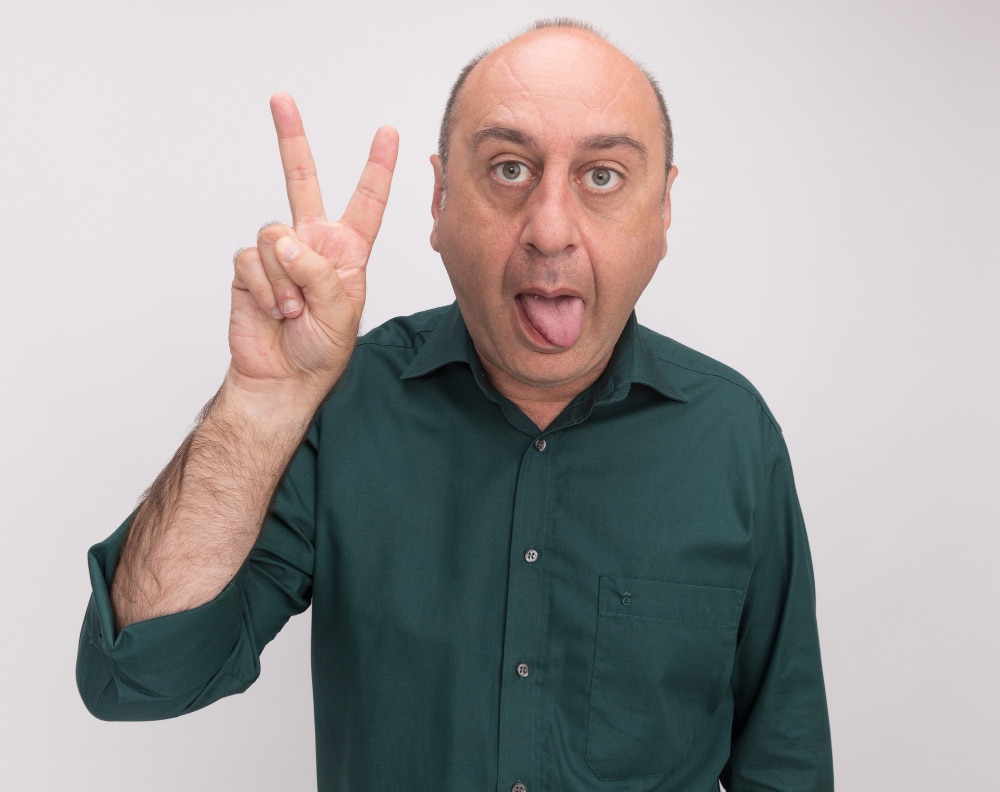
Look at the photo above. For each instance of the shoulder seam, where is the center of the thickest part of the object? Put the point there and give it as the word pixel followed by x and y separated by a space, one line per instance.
pixel 753 394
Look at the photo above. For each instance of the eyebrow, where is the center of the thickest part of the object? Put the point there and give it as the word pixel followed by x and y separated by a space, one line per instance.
pixel 501 133
pixel 614 141
pixel 599 142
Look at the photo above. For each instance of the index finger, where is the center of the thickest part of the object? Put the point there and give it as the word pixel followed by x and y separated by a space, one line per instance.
pixel 301 183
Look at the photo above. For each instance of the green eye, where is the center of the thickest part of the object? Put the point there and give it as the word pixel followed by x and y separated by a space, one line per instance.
pixel 603 178
pixel 512 172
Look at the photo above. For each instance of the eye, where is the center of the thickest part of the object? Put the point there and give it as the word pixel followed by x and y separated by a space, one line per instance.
pixel 602 178
pixel 512 172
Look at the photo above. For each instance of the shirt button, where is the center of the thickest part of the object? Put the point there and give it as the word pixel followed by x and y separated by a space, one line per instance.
pixel 531 555
pixel 540 445
pixel 523 670
pixel 519 787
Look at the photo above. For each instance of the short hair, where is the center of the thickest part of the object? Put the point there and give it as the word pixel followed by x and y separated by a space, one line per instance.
pixel 448 119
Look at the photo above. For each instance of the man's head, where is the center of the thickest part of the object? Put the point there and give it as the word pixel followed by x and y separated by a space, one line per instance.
pixel 447 120
pixel 558 180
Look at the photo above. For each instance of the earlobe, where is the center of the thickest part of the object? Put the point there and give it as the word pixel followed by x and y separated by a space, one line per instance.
pixel 437 197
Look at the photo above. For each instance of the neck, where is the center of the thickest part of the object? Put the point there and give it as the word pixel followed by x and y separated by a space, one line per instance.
pixel 542 415
pixel 542 404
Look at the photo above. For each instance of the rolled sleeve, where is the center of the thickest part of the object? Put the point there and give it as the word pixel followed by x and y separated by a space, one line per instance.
pixel 160 667
pixel 175 664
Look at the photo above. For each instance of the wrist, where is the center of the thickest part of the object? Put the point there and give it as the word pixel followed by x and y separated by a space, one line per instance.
pixel 278 404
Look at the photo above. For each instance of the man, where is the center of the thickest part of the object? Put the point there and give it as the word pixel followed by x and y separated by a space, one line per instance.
pixel 546 549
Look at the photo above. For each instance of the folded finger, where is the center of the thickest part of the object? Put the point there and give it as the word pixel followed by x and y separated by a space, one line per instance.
pixel 287 293
pixel 249 275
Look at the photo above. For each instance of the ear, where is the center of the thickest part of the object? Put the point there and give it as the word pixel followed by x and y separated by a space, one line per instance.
pixel 436 199
pixel 666 207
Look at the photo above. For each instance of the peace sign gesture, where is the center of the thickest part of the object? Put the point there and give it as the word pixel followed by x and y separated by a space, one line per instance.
pixel 298 295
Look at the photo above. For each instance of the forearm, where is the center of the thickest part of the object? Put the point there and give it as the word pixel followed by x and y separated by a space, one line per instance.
pixel 203 514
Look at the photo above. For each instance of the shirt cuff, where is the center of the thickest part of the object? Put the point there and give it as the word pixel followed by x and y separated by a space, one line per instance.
pixel 167 658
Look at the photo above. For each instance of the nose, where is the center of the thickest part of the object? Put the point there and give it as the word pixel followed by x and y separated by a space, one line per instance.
pixel 551 223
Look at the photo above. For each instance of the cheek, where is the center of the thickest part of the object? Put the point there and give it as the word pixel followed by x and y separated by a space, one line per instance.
pixel 486 208
pixel 630 260
pixel 470 260
pixel 471 221
pixel 624 289
pixel 475 240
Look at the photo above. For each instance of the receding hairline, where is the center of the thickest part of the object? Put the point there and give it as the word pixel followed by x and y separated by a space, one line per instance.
pixel 448 119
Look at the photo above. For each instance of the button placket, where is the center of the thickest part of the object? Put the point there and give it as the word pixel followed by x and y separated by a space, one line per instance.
pixel 524 634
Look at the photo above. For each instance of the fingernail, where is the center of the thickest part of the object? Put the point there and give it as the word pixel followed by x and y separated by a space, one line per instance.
pixel 290 306
pixel 276 313
pixel 287 249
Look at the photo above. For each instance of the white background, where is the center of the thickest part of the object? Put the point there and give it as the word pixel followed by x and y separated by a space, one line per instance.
pixel 835 238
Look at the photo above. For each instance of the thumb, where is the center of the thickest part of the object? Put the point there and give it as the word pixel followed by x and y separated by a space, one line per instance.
pixel 326 296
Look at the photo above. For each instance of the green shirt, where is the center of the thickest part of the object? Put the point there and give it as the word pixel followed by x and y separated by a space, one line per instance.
pixel 622 602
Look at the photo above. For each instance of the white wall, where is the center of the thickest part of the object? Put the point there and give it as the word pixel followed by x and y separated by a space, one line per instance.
pixel 834 239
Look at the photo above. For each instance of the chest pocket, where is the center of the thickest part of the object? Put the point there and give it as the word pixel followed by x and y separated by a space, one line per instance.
pixel 662 665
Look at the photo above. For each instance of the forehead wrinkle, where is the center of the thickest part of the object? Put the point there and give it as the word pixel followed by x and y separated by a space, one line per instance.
pixel 643 93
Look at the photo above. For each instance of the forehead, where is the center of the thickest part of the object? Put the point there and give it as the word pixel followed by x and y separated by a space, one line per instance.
pixel 558 86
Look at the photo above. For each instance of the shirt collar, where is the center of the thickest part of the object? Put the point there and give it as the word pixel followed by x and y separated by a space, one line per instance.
pixel 631 362
pixel 634 362
pixel 449 343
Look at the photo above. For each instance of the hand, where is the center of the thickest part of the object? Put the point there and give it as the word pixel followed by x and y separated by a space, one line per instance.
pixel 298 295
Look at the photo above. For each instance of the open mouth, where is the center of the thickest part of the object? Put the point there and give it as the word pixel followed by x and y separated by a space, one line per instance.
pixel 557 320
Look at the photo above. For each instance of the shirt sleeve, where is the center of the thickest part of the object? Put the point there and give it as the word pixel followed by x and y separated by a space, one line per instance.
pixel 781 731
pixel 175 664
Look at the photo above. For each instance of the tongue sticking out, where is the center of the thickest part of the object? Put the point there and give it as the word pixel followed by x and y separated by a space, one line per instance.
pixel 558 319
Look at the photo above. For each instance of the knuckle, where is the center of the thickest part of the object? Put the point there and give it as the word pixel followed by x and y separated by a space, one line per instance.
pixel 279 279
pixel 300 173
pixel 238 254
pixel 251 276
pixel 245 258
pixel 246 275
pixel 270 233
pixel 371 191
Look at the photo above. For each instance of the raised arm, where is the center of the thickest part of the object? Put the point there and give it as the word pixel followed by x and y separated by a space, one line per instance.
pixel 297 299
